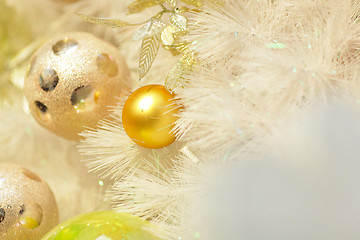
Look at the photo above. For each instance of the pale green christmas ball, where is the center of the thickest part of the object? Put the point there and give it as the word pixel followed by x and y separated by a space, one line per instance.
pixel 106 225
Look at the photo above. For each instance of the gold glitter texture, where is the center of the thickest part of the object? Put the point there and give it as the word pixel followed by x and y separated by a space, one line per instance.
pixel 72 81
pixel 27 206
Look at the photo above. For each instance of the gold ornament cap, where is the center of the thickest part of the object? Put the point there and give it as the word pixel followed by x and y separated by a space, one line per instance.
pixel 148 116
pixel 71 82
pixel 28 209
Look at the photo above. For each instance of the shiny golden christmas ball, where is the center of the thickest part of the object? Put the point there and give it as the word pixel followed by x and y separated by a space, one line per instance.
pixel 28 208
pixel 71 82
pixel 148 116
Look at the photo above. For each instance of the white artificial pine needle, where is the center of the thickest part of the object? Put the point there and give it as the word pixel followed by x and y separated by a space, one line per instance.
pixel 263 68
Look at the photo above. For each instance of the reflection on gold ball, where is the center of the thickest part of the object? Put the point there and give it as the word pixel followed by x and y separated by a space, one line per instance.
pixel 149 115
pixel 28 208
pixel 72 80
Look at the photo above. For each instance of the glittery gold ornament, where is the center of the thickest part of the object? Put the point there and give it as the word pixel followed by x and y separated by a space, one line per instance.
pixel 28 208
pixel 72 80
pixel 149 115
pixel 106 225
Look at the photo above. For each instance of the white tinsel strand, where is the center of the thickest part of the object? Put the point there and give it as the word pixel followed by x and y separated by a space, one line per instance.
pixel 224 30
pixel 262 62
pixel 164 196
pixel 110 152
pixel 268 82
pixel 146 182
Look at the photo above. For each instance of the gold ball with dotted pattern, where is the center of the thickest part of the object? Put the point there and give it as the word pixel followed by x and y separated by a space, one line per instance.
pixel 28 208
pixel 149 115
pixel 71 82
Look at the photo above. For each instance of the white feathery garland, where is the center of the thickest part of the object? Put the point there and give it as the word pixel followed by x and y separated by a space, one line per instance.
pixel 260 64
pixel 145 182
pixel 254 82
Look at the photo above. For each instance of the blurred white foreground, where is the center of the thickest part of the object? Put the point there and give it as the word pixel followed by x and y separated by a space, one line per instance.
pixel 306 185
